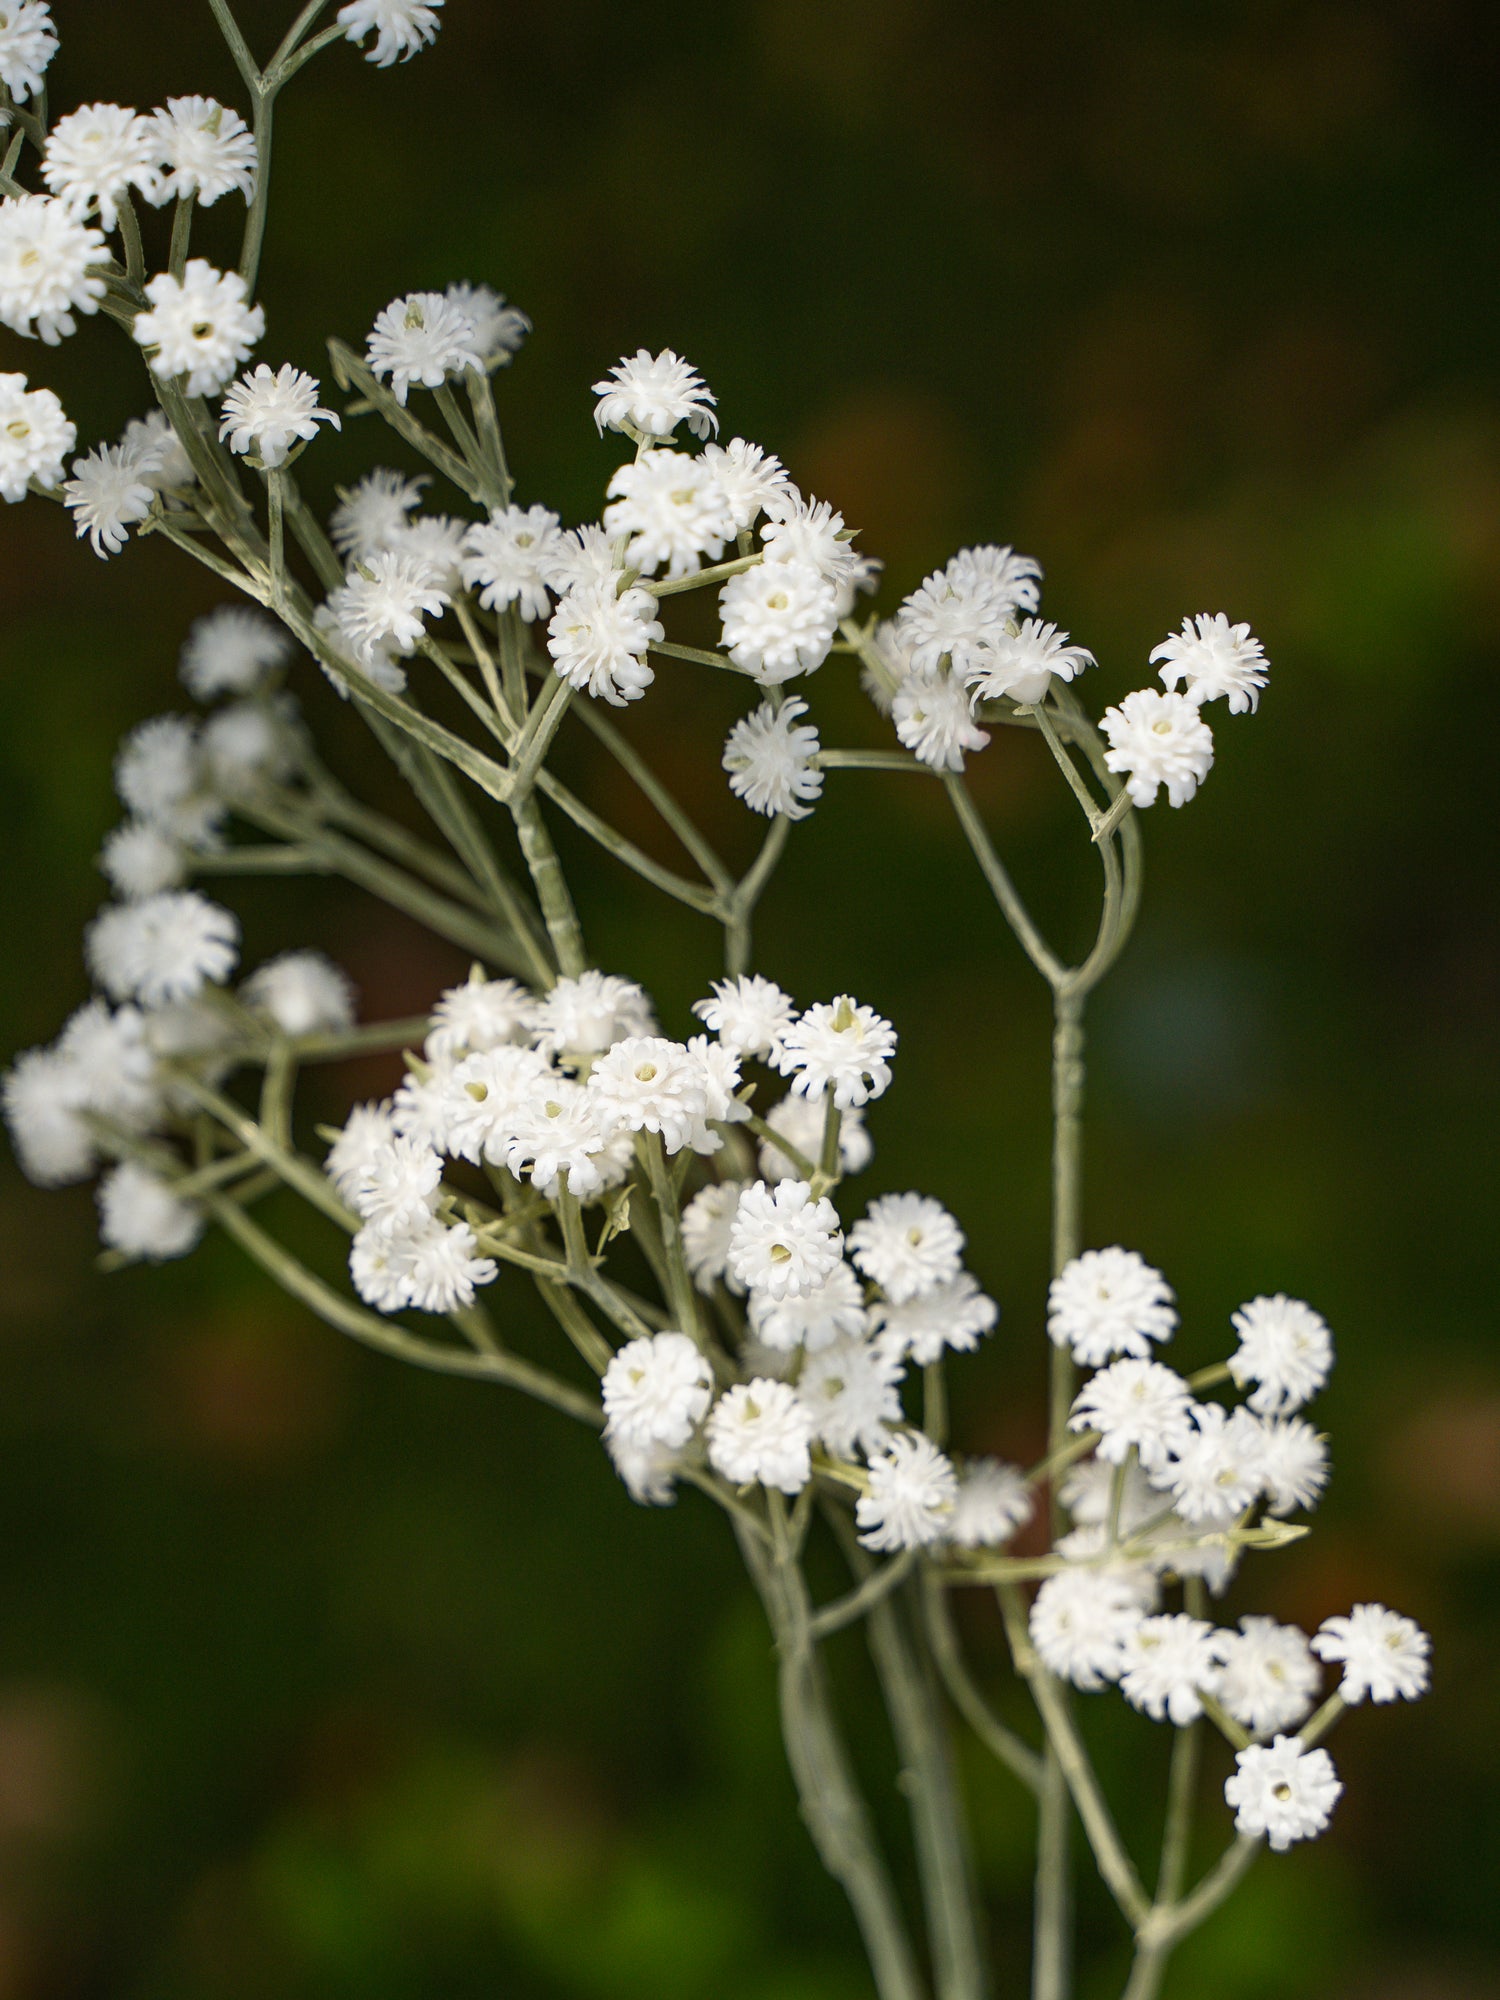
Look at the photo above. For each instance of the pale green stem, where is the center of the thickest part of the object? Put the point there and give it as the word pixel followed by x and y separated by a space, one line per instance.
pixel 546 718
pixel 635 768
pixel 848 1609
pixel 558 913
pixel 871 760
pixel 182 230
pixel 1001 887
pixel 625 851
pixel 697 657
pixel 748 894
pixel 1001 1742
pixel 682 1293
pixel 492 445
pixel 716 573
pixel 351 372
pixel 370 1040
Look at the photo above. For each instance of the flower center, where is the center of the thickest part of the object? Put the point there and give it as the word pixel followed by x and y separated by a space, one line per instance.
pixel 18 428
pixel 1283 1791
pixel 779 1254
pixel 646 1073
pixel 203 330
pixel 1162 728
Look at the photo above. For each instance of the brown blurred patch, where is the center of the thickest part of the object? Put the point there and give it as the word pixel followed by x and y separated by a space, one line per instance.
pixel 895 464
pixel 253 1389
pixel 1444 1462
pixel 53 1753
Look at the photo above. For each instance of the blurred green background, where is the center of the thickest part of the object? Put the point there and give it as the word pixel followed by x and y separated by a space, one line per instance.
pixel 323 1678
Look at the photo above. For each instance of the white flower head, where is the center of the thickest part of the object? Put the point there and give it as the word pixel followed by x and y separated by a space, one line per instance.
pixel 268 411
pixel 499 328
pixel 656 1390
pixel 1155 740
pixel 782 1241
pixel 962 611
pixel 422 339
pixel 911 1495
pixel 779 620
pixel 35 437
pixel 955 1313
pixel 1384 1655
pixel 706 1223
pixel 301 993
pixel 207 149
pixel 750 479
pixel 810 534
pixel 833 1310
pixel 372 513
pixel 1138 1403
pixel 852 1386
pixel 158 452
pixel 382 603
pixel 771 759
pixel 397 1185
pixel 839 1046
pixel 1217 1465
pixel 1169 1662
pixel 232 651
pixel 800 1121
pixel 366 1132
pixel 28 42
pixel 1268 1678
pixel 585 1016
pixel 138 859
pixel 1293 1463
pixel 443 1267
pixel 760 1432
pixel 933 719
pixel 599 640
pixel 645 1083
pixel 200 325
pixel 140 1216
pixel 582 559
pixel 509 557
pixel 652 394
pixel 1210 658
pixel 1285 1348
pixel 249 744
pixel 750 1015
pixel 483 1013
pixel 1021 663
pixel 400 27
pixel 907 1244
pixel 558 1131
pixel 164 947
pixel 1282 1791
pixel 1109 1302
pixel 46 251
pixel 1080 1622
pixel 45 1098
pixel 994 1502
pixel 673 509
pixel 107 496
pixel 95 156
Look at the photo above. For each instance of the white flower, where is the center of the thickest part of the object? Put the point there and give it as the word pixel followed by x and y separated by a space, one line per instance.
pixel 771 761
pixel 1168 1663
pixel 442 1268
pixel 1088 1493
pixel 1109 1302
pixel 1269 1678
pixel 719 1072
pixel 199 326
pixel 656 1390
pixel 141 1217
pixel 586 1015
pixel 159 770
pixel 558 1132
pixel 107 495
pixel 380 1267
pixel 1285 1348
pixel 400 27
pixel 267 412
pixel 508 557
pixel 1283 1791
pixel 437 542
pixel 933 719
pixel 232 651
pixel 372 513
pixel 761 1431
pixel 158 451
pixel 993 1501
pixel 45 1097
pixel 1158 739
pixel 1138 1403
pixel 646 1083
pixel 833 1310
pixel 481 1014
pixel 1022 662
pixel 45 254
pixel 28 42
pixel 800 1122
pixel 470 1110
pixel 782 1241
pixel 953 1314
pixel 706 1223
pixel 250 743
pixel 301 993
pixel 1217 1466
pixel 164 947
pixel 965 609
pixel 852 1388
pixel 598 641
pixel 911 1495
pixel 751 479
pixel 366 1132
pixel 382 603
pixel 1080 1621
pixel 499 329
pixel 397 1184
pixel 1384 1655
pixel 749 1015
pixel 839 1045
pixel 207 149
pixel 810 533
pixel 779 620
pixel 1210 657
pixel 672 508
pixel 653 394
pixel 422 338
pixel 97 154
pixel 582 558
pixel 907 1244
pixel 1293 1463
pixel 35 437
pixel 137 859
pixel 649 1471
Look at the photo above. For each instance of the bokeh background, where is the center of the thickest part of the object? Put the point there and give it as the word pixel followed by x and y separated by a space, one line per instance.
pixel 324 1678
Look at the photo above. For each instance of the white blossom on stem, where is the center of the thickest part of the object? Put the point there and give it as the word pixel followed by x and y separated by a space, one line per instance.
pixel 771 758
pixel 96 155
pixel 1282 1791
pixel 421 339
pixel 1109 1302
pixel 1210 659
pixel 207 149
pixel 1285 1348
pixel 200 325
pixel 1155 740
pixel 653 394
pixel 268 411
pixel 598 641
pixel 1383 1655
pixel 656 1390
pixel 400 27
pixel 760 1432
pixel 911 1496
pixel 783 1242
pixel 46 255
pixel 839 1046
pixel 35 437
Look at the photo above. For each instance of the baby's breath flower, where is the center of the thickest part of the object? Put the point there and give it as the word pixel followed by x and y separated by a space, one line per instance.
pixel 231 651
pixel 140 1216
pixel 96 155
pixel 814 1319
pixel 107 495
pixel 1109 1302
pixel 400 27
pixel 138 859
pixel 422 338
pixel 598 641
pixel 372 513
pixel 994 1501
pixel 852 1387
pixel 911 1495
pixel 1080 1622
pixel 1138 1403
pixel 1158 739
pixel 648 1471
pixel 46 252
pixel 28 42
pixel 481 1014
pixel 1210 658
pixel 1282 1791
pixel 653 394
pixel 908 1244
pixel 35 437
pixel 1169 1662
pixel 810 533
pixel 673 509
pixel 955 1313
pixel 1021 663
pixel 382 603
pixel 770 757
pixel 301 993
pixel 158 451
pixel 499 329
pixel 841 1046
pixel 1383 1654
pixel 1268 1678
pixel 749 478
pixel 646 1083
pixel 267 412
pixel 965 609
pixel 706 1223
pixel 779 620
pixel 164 947
pixel 1293 1463
pixel 1285 1348
pixel 656 1390
pixel 1217 1466
pixel 783 1242
pixel 749 1015
pixel 800 1121
pixel 933 719
pixel 207 149
pixel 760 1432
pixel 509 558
pixel 200 326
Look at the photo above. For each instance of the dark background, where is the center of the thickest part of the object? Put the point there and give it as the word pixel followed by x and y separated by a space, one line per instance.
pixel 323 1678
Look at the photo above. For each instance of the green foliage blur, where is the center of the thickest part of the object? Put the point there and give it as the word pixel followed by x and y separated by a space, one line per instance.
pixel 322 1678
